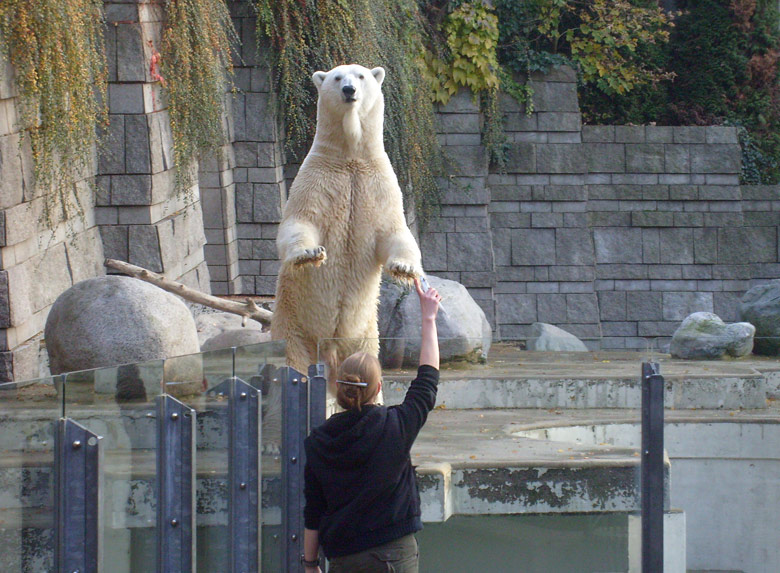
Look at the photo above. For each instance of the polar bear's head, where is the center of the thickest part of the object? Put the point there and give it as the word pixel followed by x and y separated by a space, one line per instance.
pixel 350 110
pixel 349 87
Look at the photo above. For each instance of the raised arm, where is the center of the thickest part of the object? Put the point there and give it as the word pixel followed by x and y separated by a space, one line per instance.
pixel 421 395
pixel 429 307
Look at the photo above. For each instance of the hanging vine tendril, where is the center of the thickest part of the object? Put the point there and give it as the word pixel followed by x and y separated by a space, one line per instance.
pixel 57 51
pixel 195 66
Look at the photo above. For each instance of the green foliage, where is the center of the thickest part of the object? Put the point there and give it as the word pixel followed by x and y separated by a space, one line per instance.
pixel 734 48
pixel 493 136
pixel 603 39
pixel 758 167
pixel 644 104
pixel 471 33
pixel 464 53
pixel 606 41
pixel 195 67
pixel 714 48
pixel 318 35
pixel 56 48
pixel 521 47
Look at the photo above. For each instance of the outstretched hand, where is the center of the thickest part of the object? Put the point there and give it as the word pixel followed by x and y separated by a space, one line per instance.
pixel 429 300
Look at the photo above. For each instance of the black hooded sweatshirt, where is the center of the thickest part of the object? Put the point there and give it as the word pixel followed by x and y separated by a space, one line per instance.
pixel 359 481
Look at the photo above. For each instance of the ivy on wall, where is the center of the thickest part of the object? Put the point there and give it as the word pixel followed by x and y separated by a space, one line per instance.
pixel 319 35
pixel 470 31
pixel 463 52
pixel 57 51
pixel 195 68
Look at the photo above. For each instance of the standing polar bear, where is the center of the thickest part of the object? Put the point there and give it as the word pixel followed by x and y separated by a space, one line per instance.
pixel 342 223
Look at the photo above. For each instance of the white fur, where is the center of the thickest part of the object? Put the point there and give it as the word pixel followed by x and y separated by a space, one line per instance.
pixel 342 223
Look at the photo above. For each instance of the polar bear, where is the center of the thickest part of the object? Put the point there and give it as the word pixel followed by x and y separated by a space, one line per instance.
pixel 342 223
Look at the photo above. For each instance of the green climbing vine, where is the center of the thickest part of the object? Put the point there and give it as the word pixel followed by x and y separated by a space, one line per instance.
pixel 318 35
pixel 471 34
pixel 56 49
pixel 464 53
pixel 195 68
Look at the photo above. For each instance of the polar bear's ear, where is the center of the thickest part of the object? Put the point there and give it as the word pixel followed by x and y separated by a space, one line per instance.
pixel 318 78
pixel 379 74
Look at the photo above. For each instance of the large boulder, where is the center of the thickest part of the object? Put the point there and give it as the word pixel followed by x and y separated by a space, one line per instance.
pixel 464 332
pixel 111 320
pixel 549 338
pixel 703 335
pixel 760 307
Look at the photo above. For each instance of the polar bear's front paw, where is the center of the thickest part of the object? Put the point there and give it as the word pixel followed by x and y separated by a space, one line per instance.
pixel 314 256
pixel 402 271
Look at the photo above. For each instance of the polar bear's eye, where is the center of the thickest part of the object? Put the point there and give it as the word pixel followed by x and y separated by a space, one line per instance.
pixel 337 78
pixel 361 76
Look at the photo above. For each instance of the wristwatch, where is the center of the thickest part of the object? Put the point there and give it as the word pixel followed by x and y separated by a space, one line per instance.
pixel 315 563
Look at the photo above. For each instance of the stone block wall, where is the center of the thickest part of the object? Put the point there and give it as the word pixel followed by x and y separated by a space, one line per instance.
pixel 144 218
pixel 670 229
pixel 131 208
pixel 218 200
pixel 614 233
pixel 259 172
pixel 458 244
pixel 40 255
pixel 544 252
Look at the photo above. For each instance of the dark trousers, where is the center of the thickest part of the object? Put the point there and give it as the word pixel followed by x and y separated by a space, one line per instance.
pixel 398 556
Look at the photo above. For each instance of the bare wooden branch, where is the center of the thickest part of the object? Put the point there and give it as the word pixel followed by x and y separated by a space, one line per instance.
pixel 247 309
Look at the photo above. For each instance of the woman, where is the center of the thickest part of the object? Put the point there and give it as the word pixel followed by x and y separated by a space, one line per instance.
pixel 362 503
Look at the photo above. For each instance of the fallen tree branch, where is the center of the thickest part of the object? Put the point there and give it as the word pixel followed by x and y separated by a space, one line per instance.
pixel 248 309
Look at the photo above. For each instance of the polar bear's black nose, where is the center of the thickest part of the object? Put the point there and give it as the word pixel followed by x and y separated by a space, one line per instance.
pixel 348 90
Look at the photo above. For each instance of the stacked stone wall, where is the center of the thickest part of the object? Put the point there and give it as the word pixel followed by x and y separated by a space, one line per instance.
pixel 259 172
pixel 130 206
pixel 144 217
pixel 458 243
pixel 40 255
pixel 614 233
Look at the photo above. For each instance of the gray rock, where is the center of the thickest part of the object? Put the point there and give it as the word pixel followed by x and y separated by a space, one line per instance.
pixel 703 335
pixel 464 331
pixel 237 337
pixel 547 337
pixel 760 307
pixel 110 320
pixel 212 323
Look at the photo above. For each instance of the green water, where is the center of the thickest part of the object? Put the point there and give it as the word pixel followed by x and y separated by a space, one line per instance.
pixel 526 544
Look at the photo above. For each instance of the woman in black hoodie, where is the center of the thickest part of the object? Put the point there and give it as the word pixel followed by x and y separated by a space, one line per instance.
pixel 362 503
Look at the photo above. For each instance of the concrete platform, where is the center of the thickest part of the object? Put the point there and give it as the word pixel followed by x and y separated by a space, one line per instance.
pixel 513 378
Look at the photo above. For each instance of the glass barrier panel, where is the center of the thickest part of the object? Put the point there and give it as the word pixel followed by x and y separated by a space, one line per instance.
pixel 202 382
pixel 118 404
pixel 258 365
pixel 28 415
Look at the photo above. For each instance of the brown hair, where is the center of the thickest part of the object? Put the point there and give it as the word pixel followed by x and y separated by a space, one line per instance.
pixel 360 367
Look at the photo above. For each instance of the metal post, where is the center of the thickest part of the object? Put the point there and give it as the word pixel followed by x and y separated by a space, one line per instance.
pixel 652 468
pixel 175 486
pixel 78 503
pixel 294 427
pixel 318 388
pixel 244 476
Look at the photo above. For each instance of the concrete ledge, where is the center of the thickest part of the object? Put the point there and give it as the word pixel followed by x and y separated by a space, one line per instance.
pixel 585 392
